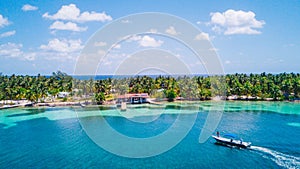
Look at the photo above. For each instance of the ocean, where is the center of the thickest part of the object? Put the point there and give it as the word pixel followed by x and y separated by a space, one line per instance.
pixel 68 137
pixel 103 77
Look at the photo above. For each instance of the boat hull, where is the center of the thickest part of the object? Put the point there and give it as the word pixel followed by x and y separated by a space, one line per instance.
pixel 231 142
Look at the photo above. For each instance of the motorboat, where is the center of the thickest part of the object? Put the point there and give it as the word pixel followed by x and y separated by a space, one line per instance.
pixel 231 140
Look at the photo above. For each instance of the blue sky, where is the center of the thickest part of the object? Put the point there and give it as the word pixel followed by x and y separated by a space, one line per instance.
pixel 250 36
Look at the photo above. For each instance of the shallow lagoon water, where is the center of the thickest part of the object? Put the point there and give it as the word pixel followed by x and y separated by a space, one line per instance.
pixel 55 138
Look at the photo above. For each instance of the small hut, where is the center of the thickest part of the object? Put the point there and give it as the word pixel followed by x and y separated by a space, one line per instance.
pixel 133 98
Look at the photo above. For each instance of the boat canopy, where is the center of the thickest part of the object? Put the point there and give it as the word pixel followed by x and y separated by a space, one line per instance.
pixel 230 135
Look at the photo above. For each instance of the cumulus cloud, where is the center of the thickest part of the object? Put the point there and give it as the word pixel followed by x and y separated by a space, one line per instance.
pixel 147 41
pixel 72 13
pixel 7 34
pixel 56 49
pixel 3 21
pixel 28 7
pixel 202 36
pixel 11 50
pixel 69 26
pixel 236 22
pixel 171 30
pixel 64 45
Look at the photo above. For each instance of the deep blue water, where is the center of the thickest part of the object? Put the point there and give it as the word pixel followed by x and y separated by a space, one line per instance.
pixel 62 143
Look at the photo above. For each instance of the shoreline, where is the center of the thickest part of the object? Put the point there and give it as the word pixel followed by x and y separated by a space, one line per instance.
pixel 89 103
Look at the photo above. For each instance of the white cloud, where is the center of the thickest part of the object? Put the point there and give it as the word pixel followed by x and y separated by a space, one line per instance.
pixel 241 30
pixel 3 21
pixel 7 34
pixel 58 56
pixel 94 16
pixel 147 41
pixel 28 7
pixel 153 30
pixel 202 36
pixel 133 38
pixel 72 13
pixel 213 49
pixel 11 50
pixel 69 26
pixel 217 29
pixel 29 56
pixel 100 44
pixel 227 62
pixel 171 30
pixel 203 23
pixel 64 46
pixel 125 21
pixel 236 22
pixel 52 51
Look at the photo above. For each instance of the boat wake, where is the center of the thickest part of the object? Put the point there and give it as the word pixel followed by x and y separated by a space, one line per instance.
pixel 281 159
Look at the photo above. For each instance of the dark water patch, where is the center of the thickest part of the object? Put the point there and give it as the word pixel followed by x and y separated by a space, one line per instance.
pixel 35 110
pixel 105 108
pixel 30 112
pixel 156 107
pixel 95 108
pixel 234 107
pixel 44 109
pixel 190 107
pixel 176 107
pixel 140 107
pixel 23 114
pixel 2 125
pixel 249 111
pixel 206 105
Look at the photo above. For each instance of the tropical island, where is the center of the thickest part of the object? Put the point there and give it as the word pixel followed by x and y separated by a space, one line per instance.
pixel 62 88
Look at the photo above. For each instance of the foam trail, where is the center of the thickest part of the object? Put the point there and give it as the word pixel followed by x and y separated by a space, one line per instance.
pixel 283 160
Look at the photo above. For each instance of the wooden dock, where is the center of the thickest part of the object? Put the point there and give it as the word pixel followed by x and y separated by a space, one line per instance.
pixel 123 106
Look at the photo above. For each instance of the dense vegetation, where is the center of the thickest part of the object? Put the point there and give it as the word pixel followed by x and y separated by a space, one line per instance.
pixel 284 86
pixel 33 88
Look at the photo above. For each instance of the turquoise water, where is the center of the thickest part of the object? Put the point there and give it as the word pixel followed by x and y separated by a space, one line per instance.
pixel 56 137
